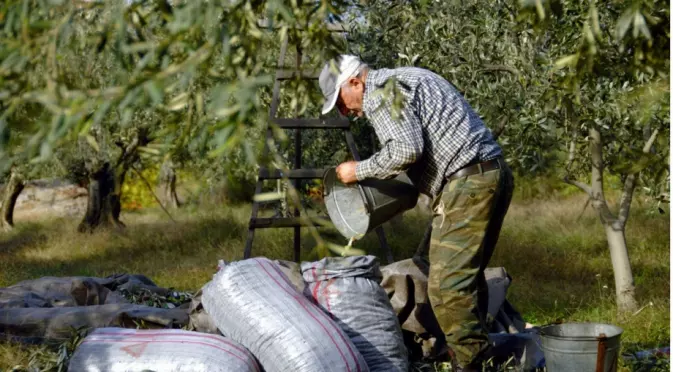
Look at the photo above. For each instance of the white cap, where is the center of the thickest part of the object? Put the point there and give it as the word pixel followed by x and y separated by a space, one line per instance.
pixel 331 81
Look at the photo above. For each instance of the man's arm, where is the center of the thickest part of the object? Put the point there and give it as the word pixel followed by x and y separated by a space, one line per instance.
pixel 403 144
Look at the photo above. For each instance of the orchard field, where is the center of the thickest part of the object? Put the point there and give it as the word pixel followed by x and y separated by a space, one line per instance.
pixel 151 100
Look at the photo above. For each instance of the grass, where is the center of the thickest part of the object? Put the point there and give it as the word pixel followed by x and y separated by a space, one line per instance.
pixel 561 268
pixel 557 256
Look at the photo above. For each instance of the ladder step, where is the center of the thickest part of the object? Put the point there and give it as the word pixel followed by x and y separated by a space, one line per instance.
pixel 293 174
pixel 264 223
pixel 322 123
pixel 309 74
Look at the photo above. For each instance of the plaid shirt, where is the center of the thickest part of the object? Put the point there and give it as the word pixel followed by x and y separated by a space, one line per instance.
pixel 438 134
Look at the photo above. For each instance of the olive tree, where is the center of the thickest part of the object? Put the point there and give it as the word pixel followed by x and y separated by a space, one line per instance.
pixel 578 88
pixel 612 89
pixel 200 65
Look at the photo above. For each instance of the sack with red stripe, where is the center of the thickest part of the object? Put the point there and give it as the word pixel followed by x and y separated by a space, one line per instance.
pixel 166 350
pixel 348 288
pixel 254 303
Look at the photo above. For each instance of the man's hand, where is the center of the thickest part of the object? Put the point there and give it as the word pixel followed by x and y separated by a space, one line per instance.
pixel 346 172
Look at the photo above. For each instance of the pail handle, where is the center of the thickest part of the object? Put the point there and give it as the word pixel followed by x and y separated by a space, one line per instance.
pixel 368 207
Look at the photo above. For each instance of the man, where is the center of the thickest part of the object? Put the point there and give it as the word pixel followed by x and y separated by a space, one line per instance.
pixel 451 156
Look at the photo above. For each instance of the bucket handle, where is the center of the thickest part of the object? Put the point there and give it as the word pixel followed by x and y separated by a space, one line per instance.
pixel 368 207
pixel 600 358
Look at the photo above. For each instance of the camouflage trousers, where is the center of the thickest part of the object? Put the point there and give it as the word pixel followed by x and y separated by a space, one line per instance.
pixel 467 219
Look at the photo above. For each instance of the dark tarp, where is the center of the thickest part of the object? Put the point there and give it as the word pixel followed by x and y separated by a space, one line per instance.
pixel 49 308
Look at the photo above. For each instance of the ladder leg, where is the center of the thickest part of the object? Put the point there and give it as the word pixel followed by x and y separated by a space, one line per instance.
pixel 350 141
pixel 297 165
pixel 384 244
pixel 296 184
pixel 423 248
pixel 255 205
pixel 275 102
pixel 251 230
pixel 297 243
pixel 297 229
pixel 248 243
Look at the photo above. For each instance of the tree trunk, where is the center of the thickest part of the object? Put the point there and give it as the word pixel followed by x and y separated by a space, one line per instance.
pixel 614 229
pixel 12 191
pixel 614 225
pixel 625 288
pixel 103 206
pixel 167 184
pixel 105 187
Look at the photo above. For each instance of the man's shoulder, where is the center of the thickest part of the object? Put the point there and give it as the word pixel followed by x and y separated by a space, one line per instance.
pixel 408 74
pixel 410 79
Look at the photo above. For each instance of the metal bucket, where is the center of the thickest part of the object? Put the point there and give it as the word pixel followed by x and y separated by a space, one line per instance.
pixel 359 208
pixel 581 347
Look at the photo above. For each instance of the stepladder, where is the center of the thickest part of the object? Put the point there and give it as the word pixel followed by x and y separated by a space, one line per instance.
pixel 297 173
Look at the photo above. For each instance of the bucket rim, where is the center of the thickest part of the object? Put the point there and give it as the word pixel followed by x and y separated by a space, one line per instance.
pixel 345 229
pixel 619 330
pixel 331 173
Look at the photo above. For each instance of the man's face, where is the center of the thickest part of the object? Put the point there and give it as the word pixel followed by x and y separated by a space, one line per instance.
pixel 350 98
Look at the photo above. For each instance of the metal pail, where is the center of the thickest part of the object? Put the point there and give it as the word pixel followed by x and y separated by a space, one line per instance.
pixel 581 347
pixel 359 208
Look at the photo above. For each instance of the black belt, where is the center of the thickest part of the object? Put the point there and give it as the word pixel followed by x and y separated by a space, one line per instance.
pixel 478 168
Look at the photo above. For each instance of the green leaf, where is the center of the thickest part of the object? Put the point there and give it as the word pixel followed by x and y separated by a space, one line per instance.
pixel 540 9
pixel 595 26
pixel 624 23
pixel 268 196
pixel 101 112
pixel 149 150
pixel 178 102
pixel 221 139
pixel 567 61
pixel 45 151
pixel 127 116
pixel 628 166
pixel 92 142
pixel 156 94
pixel 139 47
pixel 640 26
pixel 249 153
pixel 130 98
pixel 199 103
pixel 225 112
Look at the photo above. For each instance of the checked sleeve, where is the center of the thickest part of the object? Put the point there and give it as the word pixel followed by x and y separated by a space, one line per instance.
pixel 402 143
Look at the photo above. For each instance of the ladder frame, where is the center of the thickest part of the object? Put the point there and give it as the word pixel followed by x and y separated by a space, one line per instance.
pixel 297 173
